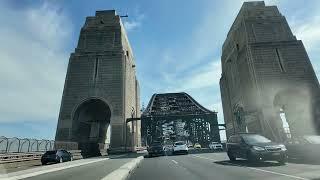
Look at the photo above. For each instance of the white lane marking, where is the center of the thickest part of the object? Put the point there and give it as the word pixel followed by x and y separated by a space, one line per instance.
pixel 204 157
pixel 38 171
pixel 257 169
pixel 281 174
pixel 174 161
pixel 123 172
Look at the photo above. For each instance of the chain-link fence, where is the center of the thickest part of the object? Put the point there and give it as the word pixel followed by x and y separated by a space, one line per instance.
pixel 16 145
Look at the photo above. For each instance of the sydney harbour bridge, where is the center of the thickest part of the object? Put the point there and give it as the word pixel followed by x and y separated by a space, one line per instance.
pixel 268 86
pixel 177 116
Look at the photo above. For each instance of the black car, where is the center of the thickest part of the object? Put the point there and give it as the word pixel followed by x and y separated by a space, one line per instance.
pixel 56 156
pixel 255 147
pixel 156 148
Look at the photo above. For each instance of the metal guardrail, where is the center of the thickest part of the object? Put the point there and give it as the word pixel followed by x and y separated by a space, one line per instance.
pixel 14 144
pixel 17 157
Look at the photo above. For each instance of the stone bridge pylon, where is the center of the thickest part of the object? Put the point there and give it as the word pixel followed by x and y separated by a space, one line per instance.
pixel 101 89
pixel 268 85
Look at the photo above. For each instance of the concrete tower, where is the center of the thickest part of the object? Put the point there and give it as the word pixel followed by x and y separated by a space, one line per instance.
pixel 101 89
pixel 267 76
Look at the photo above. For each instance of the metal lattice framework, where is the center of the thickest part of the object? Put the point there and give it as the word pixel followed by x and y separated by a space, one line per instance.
pixel 177 116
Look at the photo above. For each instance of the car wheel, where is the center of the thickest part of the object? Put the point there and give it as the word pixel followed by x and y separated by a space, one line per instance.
pixel 231 156
pixel 43 163
pixel 282 160
pixel 60 160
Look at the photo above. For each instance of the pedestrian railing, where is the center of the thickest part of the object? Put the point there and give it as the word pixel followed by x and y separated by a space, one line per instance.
pixel 17 145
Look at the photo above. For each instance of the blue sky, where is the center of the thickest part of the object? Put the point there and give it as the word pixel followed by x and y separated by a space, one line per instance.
pixel 177 47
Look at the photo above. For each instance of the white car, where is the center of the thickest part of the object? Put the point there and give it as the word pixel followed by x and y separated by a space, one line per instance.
pixel 215 146
pixel 180 147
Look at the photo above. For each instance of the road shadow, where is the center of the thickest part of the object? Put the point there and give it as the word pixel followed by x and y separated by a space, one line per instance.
pixel 154 156
pixel 202 151
pixel 124 155
pixel 246 163
pixel 314 161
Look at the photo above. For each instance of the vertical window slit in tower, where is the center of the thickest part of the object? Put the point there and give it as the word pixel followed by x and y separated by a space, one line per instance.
pixel 254 32
pixel 114 39
pixel 280 60
pixel 96 69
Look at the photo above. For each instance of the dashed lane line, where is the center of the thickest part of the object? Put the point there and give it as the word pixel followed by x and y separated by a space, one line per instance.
pixel 257 169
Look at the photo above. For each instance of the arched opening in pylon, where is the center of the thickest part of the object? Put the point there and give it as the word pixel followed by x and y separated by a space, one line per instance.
pixel 294 111
pixel 90 125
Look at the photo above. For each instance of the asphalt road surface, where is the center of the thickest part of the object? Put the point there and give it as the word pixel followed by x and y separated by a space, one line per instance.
pixel 195 166
pixel 217 166
pixel 85 169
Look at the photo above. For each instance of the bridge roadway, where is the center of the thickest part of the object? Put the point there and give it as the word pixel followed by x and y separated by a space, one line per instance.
pixel 194 166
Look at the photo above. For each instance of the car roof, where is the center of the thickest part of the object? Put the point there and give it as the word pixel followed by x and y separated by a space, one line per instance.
pixel 156 142
pixel 51 151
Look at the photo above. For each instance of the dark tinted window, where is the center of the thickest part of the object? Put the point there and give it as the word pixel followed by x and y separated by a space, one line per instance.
pixel 65 152
pixel 60 152
pixel 238 139
pixel 179 143
pixel 232 139
pixel 156 144
pixel 50 152
pixel 255 138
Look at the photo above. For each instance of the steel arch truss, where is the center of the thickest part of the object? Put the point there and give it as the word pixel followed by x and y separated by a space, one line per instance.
pixel 177 116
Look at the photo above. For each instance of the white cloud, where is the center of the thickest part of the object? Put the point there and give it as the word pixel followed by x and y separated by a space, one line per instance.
pixel 207 75
pixel 32 61
pixel 307 29
pixel 309 32
pixel 130 25
pixel 135 21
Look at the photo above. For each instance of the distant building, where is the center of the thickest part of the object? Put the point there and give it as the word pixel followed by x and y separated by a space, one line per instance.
pixel 266 71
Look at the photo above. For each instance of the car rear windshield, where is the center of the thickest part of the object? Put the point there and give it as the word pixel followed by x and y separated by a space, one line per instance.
pixel 255 138
pixel 179 143
pixel 156 144
pixel 50 152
